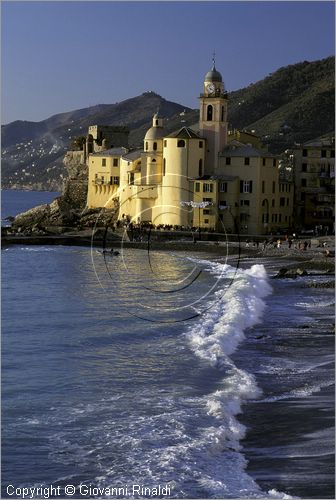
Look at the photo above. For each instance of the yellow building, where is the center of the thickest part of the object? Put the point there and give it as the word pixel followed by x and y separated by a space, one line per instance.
pixel 314 168
pixel 208 179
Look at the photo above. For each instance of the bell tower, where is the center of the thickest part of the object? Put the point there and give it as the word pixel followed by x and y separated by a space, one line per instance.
pixel 213 117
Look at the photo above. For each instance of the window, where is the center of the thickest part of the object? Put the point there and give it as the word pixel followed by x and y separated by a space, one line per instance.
pixel 208 200
pixel 264 162
pixel 207 188
pixel 279 217
pixel 223 187
pixel 164 166
pixel 304 182
pixel 156 122
pixel 289 188
pixel 246 186
pixel 206 212
pixel 304 167
pixel 228 160
pixel 222 203
pixel 154 146
pixel 115 162
pixel 304 152
pixel 246 161
pixel 153 160
pixel 197 187
pixel 209 113
pixel 244 203
pixel 323 153
pixel 180 143
pixel 200 168
pixel 273 203
pixel 146 146
pixel 103 162
pixel 200 144
pixel 223 114
pixel 274 162
pixel 115 180
pixel 332 153
pixel 282 202
pixel 263 186
pixel 164 143
pixel 131 179
pixel 273 187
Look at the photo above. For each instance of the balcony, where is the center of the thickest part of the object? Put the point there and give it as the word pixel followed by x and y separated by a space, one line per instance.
pixel 215 95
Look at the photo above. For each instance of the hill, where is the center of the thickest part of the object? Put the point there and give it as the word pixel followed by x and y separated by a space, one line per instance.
pixel 294 104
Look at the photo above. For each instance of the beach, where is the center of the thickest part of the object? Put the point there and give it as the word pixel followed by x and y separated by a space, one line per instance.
pixel 171 363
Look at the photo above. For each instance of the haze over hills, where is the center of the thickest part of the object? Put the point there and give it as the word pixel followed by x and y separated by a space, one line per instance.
pixel 294 104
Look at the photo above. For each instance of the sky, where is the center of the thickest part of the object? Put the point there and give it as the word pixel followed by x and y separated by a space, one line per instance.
pixel 61 56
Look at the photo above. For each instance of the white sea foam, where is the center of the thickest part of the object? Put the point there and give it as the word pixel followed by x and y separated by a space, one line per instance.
pixel 215 337
pixel 235 308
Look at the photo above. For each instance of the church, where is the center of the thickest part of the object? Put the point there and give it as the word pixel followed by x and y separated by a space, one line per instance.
pixel 212 178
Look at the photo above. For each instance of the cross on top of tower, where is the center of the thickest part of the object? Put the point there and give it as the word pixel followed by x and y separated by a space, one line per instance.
pixel 214 58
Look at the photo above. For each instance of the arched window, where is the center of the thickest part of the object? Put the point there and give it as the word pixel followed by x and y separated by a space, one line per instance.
pixel 164 166
pixel 200 168
pixel 209 113
pixel 222 113
pixel 156 122
pixel 146 146
pixel 153 160
pixel 154 146
pixel 180 143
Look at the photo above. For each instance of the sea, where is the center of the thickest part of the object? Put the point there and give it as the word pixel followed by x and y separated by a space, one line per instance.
pixel 165 374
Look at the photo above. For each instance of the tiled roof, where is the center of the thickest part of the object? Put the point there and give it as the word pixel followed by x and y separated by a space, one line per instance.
pixel 111 152
pixel 133 155
pixel 245 150
pixel 185 133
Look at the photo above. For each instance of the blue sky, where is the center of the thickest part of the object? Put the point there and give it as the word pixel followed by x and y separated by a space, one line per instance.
pixel 60 56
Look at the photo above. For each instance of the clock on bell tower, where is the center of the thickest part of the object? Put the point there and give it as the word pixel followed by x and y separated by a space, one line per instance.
pixel 213 117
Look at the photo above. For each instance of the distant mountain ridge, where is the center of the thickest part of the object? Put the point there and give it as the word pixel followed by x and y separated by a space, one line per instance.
pixel 294 104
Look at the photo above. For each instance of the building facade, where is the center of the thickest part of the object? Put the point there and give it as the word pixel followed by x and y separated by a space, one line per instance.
pixel 314 170
pixel 210 179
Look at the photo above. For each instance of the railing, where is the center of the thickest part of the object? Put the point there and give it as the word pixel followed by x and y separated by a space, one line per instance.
pixel 224 95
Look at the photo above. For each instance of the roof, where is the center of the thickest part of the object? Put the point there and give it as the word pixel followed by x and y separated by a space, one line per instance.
pixel 184 133
pixel 217 177
pixel 132 155
pixel 318 143
pixel 213 75
pixel 246 150
pixel 154 133
pixel 111 152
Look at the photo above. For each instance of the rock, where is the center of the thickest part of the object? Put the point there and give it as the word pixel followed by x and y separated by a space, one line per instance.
pixel 326 284
pixel 285 273
pixel 301 272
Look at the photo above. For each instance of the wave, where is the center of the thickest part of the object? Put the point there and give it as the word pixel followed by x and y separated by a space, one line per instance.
pixel 213 340
pixel 300 392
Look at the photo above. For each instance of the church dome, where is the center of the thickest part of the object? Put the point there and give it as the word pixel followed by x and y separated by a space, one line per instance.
pixel 156 131
pixel 213 75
